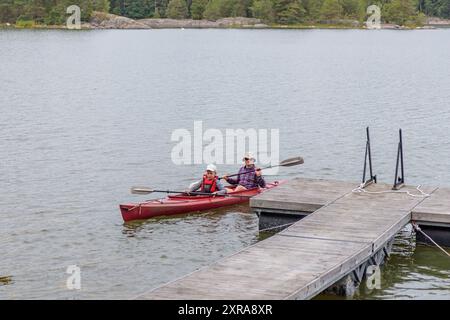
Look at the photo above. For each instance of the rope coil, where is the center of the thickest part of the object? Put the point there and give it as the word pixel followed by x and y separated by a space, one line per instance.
pixel 360 189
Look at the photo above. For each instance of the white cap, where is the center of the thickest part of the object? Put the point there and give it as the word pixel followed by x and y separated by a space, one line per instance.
pixel 211 167
pixel 249 155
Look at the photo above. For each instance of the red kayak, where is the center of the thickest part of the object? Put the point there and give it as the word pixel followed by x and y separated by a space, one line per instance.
pixel 182 203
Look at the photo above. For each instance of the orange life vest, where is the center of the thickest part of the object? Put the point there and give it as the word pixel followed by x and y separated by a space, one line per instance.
pixel 209 186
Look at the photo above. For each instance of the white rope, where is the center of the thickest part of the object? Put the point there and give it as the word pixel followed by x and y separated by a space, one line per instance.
pixel 417 228
pixel 277 227
pixel 360 189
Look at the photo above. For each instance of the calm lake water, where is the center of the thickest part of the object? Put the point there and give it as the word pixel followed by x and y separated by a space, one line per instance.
pixel 86 115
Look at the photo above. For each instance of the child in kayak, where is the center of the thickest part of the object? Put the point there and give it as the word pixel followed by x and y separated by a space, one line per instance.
pixel 210 183
pixel 249 176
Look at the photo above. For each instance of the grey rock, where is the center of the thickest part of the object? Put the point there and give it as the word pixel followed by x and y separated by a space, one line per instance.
pixel 100 20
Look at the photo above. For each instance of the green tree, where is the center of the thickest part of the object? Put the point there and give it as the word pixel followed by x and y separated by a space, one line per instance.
pixel 331 9
pixel 161 8
pixel 102 5
pixel 177 9
pixel 7 13
pixel 362 10
pixel 400 11
pixel 137 9
pixel 241 8
pixel 437 8
pixel 47 11
pixel 351 8
pixel 289 11
pixel 312 8
pixel 117 7
pixel 198 8
pixel 216 9
pixel 263 9
pixel 54 17
pixel 213 10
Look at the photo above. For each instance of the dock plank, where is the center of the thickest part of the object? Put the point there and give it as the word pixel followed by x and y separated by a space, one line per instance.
pixel 302 195
pixel 298 264
pixel 435 209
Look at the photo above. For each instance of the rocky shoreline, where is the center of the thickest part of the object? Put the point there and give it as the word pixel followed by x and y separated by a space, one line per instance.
pixel 111 21
pixel 433 21
pixel 100 20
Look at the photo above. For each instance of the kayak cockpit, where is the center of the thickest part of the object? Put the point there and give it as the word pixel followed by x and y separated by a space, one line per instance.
pixel 230 191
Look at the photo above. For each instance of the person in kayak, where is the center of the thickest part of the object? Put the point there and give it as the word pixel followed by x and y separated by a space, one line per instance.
pixel 249 176
pixel 210 183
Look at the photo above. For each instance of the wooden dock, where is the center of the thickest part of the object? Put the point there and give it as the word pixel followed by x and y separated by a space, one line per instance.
pixel 341 235
pixel 434 211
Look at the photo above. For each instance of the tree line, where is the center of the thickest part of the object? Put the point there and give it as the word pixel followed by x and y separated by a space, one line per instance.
pixel 51 12
pixel 270 11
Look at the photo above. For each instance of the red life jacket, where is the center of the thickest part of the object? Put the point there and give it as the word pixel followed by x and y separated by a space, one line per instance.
pixel 209 186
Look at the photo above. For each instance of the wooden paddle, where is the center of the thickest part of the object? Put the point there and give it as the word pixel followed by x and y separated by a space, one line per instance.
pixel 285 163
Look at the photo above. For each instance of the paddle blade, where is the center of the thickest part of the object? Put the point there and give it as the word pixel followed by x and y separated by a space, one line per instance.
pixel 141 190
pixel 291 162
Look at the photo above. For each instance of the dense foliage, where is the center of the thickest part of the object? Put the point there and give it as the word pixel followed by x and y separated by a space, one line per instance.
pixel 46 11
pixel 271 11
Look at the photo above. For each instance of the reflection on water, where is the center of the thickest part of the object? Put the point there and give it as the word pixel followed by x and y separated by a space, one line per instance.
pixel 5 280
pixel 237 217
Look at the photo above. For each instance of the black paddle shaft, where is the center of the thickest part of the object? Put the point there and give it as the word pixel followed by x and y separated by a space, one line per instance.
pixel 286 163
pixel 238 174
